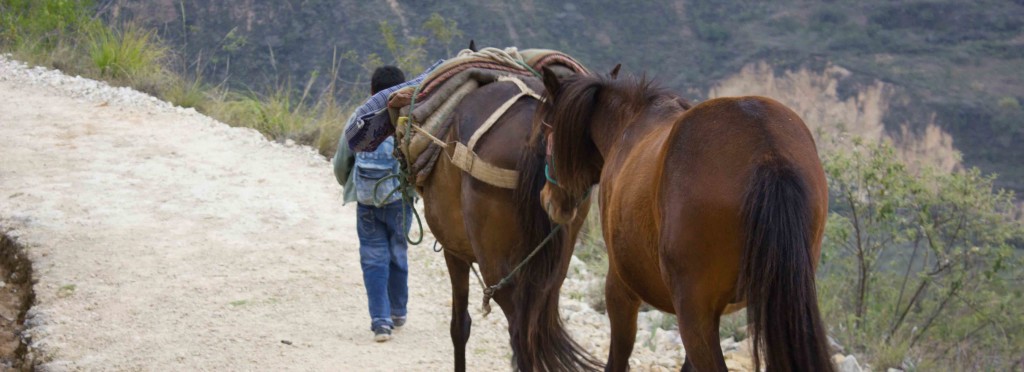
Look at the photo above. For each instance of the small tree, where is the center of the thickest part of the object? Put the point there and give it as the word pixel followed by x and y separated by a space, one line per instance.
pixel 868 190
pixel 409 56
pixel 444 31
pixel 930 259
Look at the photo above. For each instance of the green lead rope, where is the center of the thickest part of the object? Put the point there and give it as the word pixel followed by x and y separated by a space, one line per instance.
pixel 526 66
pixel 490 291
pixel 408 201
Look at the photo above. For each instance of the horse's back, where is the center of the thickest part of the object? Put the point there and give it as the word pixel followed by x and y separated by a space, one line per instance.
pixel 467 211
pixel 717 144
pixel 503 143
pixel 453 199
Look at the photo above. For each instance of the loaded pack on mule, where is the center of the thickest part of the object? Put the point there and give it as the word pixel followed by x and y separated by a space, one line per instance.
pixel 704 210
pixel 463 138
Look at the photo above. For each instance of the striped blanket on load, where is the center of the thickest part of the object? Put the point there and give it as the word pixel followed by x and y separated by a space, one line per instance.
pixel 442 90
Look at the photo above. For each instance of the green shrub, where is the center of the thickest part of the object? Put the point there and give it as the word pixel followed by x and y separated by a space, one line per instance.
pixel 919 265
pixel 186 92
pixel 127 53
pixel 47 32
pixel 43 23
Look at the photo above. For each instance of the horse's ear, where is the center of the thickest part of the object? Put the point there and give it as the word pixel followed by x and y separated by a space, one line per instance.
pixel 472 45
pixel 686 105
pixel 551 82
pixel 615 71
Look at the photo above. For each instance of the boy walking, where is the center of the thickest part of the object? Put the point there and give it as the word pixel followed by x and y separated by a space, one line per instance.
pixel 382 224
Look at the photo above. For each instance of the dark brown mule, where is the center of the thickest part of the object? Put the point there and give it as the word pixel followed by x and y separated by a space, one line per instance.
pixel 497 228
pixel 704 210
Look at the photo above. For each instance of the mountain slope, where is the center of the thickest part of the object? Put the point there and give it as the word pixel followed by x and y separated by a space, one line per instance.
pixel 954 65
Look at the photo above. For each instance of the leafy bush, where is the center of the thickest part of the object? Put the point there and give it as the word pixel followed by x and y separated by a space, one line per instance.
pixel 43 23
pixel 918 267
pixel 47 32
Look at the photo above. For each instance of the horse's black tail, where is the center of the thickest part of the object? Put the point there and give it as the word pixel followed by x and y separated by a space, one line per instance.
pixel 777 273
pixel 538 336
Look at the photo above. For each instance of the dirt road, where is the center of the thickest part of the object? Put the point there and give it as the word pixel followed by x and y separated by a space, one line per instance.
pixel 162 240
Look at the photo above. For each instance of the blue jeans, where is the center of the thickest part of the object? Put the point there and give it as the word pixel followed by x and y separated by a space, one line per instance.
pixel 383 256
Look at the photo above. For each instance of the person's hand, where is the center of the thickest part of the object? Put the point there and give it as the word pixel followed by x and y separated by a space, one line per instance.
pixel 400 99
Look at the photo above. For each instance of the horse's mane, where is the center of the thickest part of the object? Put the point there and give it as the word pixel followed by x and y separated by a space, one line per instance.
pixel 570 111
pixel 546 346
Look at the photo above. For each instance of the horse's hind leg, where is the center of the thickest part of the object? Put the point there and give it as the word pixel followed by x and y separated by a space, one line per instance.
pixel 458 272
pixel 698 326
pixel 623 306
pixel 687 365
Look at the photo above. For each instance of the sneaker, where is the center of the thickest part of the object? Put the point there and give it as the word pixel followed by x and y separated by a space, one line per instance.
pixel 398 320
pixel 382 333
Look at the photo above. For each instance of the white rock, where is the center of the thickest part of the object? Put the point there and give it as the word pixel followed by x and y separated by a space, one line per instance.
pixel 729 345
pixel 666 362
pixel 849 364
pixel 837 359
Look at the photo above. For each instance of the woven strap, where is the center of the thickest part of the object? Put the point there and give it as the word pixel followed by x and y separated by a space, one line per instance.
pixel 467 160
pixel 523 91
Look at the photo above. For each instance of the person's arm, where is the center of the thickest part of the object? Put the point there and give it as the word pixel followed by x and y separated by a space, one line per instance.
pixel 344 159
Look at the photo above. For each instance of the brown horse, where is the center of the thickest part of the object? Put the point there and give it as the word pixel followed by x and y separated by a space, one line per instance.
pixel 704 210
pixel 498 228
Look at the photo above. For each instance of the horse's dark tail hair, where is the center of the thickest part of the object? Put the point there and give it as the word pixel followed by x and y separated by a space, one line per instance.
pixel 777 273
pixel 538 336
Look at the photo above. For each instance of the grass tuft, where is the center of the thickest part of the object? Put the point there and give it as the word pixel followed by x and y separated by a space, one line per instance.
pixel 130 53
pixel 188 93
pixel 274 114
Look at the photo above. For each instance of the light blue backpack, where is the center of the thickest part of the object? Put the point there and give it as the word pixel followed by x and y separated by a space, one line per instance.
pixel 370 168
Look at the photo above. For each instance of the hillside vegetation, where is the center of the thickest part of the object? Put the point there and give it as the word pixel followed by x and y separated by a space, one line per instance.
pixel 957 64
